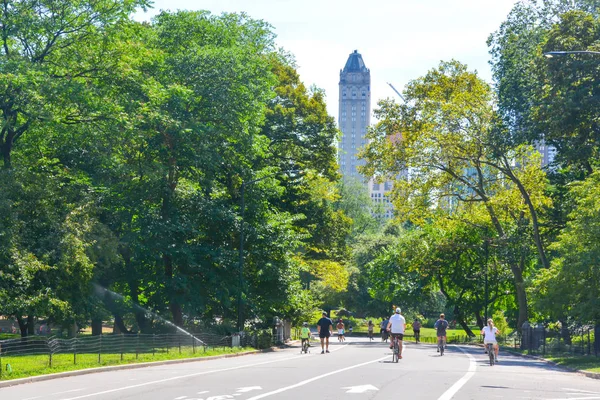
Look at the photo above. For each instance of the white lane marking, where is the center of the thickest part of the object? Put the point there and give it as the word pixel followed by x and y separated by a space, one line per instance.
pixel 180 397
pixel 577 398
pixel 248 389
pixel 202 392
pixel 360 389
pixel 31 398
pixel 66 391
pixel 456 387
pixel 302 383
pixel 579 390
pixel 182 377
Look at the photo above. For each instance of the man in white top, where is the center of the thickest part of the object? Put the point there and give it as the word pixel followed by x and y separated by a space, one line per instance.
pixel 489 336
pixel 396 327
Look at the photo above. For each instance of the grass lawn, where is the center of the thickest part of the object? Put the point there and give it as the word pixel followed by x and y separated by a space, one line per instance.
pixel 14 367
pixel 587 363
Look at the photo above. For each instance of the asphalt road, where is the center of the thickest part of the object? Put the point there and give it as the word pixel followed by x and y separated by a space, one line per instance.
pixel 357 369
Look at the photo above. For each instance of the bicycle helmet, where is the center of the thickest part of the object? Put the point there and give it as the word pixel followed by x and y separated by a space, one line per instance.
pixel 305 324
pixel 398 310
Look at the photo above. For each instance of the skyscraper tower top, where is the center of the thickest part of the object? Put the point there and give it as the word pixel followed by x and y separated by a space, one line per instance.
pixel 355 63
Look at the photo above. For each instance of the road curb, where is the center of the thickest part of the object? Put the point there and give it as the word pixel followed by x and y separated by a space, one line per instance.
pixel 589 374
pixel 40 378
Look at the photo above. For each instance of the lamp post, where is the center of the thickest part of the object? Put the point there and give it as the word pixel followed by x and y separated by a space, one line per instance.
pixel 240 324
pixel 552 54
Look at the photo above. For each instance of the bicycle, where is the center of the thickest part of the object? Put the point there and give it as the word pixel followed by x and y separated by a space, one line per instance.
pixel 305 346
pixel 441 346
pixel 417 336
pixel 490 350
pixel 396 349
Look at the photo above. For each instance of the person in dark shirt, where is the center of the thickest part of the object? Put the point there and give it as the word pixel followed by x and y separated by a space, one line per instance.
pixel 324 326
pixel 441 325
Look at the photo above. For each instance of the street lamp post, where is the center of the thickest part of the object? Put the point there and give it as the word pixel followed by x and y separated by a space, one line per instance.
pixel 240 324
pixel 551 54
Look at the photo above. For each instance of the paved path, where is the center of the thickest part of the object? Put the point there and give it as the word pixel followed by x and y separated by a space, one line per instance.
pixel 357 369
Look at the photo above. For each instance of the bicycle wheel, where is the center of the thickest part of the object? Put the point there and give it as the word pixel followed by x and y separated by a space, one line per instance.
pixel 491 354
pixel 442 349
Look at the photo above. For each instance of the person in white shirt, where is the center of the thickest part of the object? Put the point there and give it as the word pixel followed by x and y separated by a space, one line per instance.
pixel 396 327
pixel 489 333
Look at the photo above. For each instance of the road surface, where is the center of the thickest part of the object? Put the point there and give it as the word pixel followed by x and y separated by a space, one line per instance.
pixel 357 369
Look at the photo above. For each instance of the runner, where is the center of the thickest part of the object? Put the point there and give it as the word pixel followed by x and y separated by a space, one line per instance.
pixel 325 327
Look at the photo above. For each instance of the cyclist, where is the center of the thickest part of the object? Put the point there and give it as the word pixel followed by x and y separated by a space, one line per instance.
pixel 441 325
pixel 340 328
pixel 416 325
pixel 305 334
pixel 489 336
pixel 383 329
pixel 396 326
pixel 370 328
pixel 324 326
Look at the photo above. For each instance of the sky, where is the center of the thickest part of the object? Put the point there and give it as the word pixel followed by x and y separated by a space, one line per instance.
pixel 399 40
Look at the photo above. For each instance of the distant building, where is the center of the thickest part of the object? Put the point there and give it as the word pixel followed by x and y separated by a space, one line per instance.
pixel 354 120
pixel 354 114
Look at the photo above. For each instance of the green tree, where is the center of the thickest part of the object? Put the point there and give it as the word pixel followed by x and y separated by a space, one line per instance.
pixel 444 135
pixel 572 286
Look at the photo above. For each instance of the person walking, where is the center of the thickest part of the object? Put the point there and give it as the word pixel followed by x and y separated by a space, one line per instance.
pixel 324 327
pixel 416 325
pixel 370 328
pixel 340 328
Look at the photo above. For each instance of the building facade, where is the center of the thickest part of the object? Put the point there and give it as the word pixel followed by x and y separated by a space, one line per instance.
pixel 354 120
pixel 354 114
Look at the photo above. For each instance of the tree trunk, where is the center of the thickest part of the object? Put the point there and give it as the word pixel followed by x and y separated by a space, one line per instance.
pixel 22 326
pixel 120 324
pixel 597 339
pixel 30 325
pixel 174 306
pixel 465 326
pixel 564 331
pixel 96 326
pixel 479 320
pixel 134 291
pixel 532 211
pixel 520 294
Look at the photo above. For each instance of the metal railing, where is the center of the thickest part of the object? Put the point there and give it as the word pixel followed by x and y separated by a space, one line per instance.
pixel 579 341
pixel 24 355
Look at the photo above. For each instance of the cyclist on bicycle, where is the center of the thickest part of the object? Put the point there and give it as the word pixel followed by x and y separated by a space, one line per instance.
pixel 489 336
pixel 305 334
pixel 441 325
pixel 396 326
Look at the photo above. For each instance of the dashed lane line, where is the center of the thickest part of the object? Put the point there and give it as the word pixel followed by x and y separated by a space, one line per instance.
pixel 461 382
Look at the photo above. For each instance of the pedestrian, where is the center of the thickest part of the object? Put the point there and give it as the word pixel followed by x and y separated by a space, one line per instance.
pixel 324 327
pixel 340 328
pixel 416 325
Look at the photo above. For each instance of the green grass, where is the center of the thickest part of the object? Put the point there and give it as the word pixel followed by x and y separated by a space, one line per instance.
pixel 586 363
pixel 26 366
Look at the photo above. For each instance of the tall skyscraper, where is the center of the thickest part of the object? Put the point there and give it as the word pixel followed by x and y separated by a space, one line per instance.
pixel 354 114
